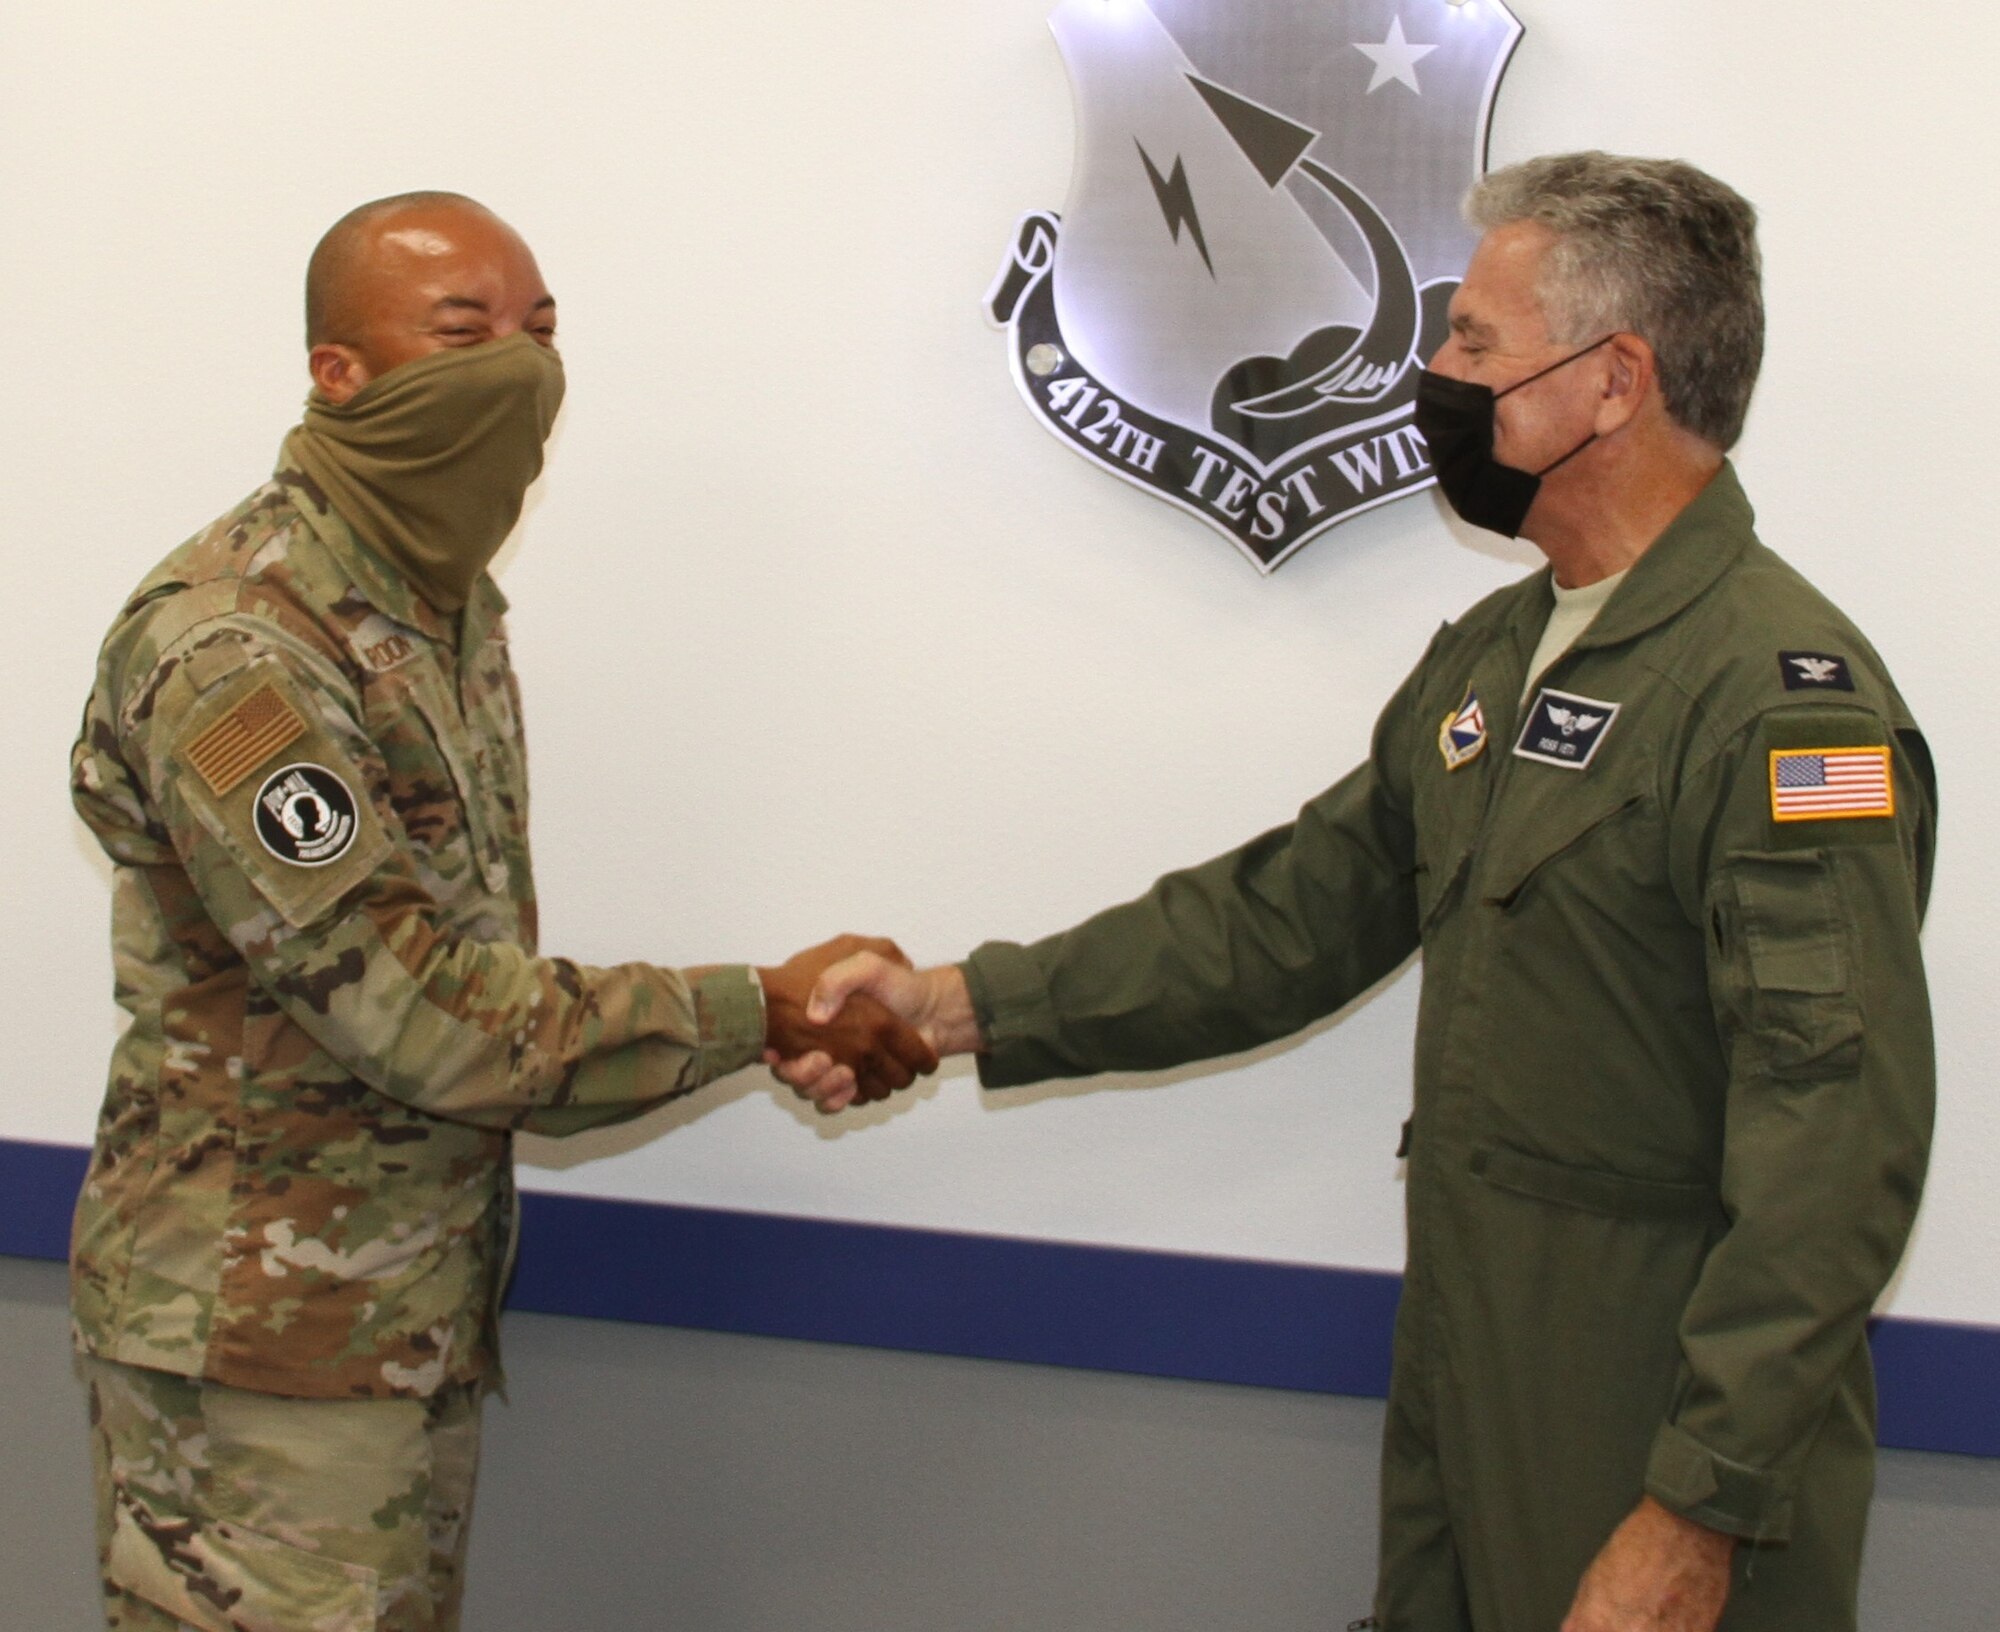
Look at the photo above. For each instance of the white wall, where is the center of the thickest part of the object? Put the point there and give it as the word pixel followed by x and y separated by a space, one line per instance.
pixel 820 631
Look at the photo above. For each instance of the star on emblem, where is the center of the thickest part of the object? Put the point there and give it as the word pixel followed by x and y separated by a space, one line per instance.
pixel 1395 58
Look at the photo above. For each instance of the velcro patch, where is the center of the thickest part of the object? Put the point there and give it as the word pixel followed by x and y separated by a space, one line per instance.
pixel 1815 671
pixel 1565 729
pixel 306 815
pixel 1831 784
pixel 252 732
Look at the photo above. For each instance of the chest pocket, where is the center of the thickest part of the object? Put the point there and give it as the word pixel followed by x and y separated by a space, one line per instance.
pixel 442 791
pixel 1602 837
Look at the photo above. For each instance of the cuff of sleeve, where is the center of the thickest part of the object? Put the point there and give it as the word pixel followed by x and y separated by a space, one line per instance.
pixel 1010 998
pixel 729 1009
pixel 1685 1475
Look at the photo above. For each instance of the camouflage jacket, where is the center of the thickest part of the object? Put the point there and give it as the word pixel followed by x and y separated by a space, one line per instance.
pixel 313 791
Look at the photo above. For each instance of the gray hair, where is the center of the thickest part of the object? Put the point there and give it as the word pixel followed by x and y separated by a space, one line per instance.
pixel 1652 247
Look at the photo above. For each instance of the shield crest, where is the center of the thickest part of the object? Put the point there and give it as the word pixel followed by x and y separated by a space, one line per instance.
pixel 1260 242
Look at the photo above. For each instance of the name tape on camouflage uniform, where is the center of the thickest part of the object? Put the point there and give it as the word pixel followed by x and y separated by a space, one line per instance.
pixel 250 733
pixel 383 644
pixel 1830 784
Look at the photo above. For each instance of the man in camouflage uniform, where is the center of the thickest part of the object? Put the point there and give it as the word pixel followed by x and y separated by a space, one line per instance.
pixel 303 755
pixel 1662 828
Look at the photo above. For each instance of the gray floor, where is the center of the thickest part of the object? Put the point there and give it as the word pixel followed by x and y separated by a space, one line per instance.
pixel 652 1478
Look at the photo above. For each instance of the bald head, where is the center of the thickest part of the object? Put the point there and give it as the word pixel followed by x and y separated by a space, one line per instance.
pixel 399 277
pixel 341 258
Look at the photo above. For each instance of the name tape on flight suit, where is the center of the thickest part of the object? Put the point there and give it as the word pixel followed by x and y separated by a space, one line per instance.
pixel 1565 729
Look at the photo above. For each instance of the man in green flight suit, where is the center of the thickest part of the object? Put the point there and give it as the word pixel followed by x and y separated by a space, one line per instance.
pixel 303 755
pixel 1662 828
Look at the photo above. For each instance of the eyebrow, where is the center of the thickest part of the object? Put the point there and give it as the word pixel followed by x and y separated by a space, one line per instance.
pixel 1465 325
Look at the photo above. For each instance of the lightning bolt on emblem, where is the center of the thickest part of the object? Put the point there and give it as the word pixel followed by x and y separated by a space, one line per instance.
pixel 1176 202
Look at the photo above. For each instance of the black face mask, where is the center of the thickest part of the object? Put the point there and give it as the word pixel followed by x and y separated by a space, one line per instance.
pixel 1455 418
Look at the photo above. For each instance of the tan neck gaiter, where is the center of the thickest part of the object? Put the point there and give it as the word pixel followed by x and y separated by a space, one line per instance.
pixel 429 462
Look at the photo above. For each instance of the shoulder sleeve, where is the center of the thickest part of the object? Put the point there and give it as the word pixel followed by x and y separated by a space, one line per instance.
pixel 1248 947
pixel 1806 844
pixel 275 802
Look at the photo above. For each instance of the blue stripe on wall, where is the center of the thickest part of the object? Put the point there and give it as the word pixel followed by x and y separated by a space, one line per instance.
pixel 38 1186
pixel 1104 1308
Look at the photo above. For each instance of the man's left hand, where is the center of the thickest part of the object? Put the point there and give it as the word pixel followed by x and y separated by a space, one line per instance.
pixel 1659 1572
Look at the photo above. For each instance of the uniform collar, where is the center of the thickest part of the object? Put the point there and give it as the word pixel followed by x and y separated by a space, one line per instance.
pixel 1699 545
pixel 381 585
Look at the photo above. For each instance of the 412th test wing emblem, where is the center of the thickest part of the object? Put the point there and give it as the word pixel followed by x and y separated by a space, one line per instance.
pixel 1261 238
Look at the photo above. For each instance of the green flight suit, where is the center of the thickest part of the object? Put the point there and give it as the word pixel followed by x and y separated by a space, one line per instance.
pixel 1674 1067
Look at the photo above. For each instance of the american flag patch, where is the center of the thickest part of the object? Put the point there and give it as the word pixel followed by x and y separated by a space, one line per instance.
pixel 244 738
pixel 1822 784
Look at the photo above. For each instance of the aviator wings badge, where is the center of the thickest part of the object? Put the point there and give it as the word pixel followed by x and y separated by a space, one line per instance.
pixel 1261 239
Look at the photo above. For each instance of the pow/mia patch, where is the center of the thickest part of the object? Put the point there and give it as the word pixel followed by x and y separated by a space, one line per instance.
pixel 1565 729
pixel 1815 671
pixel 306 816
pixel 1462 738
pixel 250 733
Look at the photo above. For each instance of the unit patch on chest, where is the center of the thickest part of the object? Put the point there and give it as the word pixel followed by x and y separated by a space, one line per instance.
pixel 1462 738
pixel 1565 729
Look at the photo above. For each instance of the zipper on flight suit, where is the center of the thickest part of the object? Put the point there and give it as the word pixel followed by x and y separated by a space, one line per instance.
pixel 1507 898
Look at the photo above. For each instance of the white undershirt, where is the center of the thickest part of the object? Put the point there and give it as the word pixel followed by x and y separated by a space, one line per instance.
pixel 1575 611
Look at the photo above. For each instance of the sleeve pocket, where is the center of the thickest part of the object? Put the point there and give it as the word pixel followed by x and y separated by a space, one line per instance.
pixel 1791 961
pixel 1791 923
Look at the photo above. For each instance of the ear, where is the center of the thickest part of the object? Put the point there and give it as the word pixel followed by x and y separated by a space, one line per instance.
pixel 1631 377
pixel 337 371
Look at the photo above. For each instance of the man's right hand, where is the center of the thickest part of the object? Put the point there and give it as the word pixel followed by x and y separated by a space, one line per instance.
pixel 859 1050
pixel 934 1002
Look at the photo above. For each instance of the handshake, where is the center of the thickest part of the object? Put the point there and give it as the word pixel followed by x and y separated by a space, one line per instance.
pixel 852 1021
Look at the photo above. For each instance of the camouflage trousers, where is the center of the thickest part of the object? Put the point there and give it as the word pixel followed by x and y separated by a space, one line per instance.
pixel 222 1510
